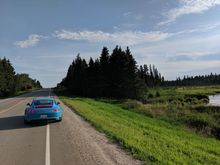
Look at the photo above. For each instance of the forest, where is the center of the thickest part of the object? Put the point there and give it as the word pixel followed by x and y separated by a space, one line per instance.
pixel 114 75
pixel 12 83
pixel 212 79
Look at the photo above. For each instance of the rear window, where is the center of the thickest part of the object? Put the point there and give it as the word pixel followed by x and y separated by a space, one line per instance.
pixel 43 102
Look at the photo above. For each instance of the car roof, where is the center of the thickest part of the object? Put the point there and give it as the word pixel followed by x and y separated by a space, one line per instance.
pixel 44 98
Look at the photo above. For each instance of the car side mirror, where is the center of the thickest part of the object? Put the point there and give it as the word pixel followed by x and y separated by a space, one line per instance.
pixel 58 103
pixel 28 104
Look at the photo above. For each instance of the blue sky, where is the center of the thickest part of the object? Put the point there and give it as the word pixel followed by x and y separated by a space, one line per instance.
pixel 41 38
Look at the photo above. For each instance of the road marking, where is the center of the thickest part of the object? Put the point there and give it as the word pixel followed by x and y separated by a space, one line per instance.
pixel 7 109
pixel 47 153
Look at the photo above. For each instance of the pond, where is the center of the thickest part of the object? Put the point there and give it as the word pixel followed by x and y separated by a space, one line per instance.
pixel 214 99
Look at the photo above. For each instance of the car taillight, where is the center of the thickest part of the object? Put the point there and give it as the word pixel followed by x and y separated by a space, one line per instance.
pixel 55 110
pixel 30 111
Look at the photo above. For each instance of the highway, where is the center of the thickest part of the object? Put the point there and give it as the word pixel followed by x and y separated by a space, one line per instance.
pixel 71 141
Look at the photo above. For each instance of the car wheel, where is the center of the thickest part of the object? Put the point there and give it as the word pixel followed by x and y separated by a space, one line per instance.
pixel 60 119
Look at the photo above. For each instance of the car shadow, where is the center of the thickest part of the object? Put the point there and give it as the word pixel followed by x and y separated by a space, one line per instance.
pixel 17 122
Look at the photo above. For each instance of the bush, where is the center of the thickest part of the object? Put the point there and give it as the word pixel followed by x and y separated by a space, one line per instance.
pixel 150 95
pixel 198 123
pixel 131 104
pixel 216 132
pixel 157 94
pixel 207 109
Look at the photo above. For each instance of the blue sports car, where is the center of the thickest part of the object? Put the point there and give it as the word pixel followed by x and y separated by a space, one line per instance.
pixel 43 109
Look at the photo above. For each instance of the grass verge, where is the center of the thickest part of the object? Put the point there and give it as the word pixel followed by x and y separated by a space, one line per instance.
pixel 150 139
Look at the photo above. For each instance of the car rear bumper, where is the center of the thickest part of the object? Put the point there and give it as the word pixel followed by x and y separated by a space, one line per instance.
pixel 47 116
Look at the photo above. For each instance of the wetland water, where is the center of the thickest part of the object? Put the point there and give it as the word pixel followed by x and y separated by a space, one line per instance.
pixel 214 100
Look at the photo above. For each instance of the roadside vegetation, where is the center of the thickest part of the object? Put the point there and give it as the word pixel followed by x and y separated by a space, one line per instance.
pixel 146 137
pixel 186 106
pixel 158 121
pixel 13 84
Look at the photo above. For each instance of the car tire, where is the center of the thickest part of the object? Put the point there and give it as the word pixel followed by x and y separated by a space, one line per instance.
pixel 60 119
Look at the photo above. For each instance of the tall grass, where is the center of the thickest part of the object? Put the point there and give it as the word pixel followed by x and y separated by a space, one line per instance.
pixel 199 118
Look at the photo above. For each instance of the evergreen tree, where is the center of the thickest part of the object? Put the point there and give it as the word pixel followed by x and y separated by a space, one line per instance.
pixel 118 74
pixel 104 69
pixel 212 79
pixel 7 78
pixel 91 79
pixel 77 80
pixel 114 75
pixel 11 82
pixel 151 76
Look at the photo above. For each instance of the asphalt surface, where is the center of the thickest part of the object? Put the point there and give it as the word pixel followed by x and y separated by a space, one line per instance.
pixel 71 141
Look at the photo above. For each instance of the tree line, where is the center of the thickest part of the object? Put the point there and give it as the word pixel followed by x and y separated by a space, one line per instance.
pixel 212 79
pixel 11 83
pixel 114 75
pixel 151 76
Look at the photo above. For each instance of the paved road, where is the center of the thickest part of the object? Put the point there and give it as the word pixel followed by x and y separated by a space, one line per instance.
pixel 72 141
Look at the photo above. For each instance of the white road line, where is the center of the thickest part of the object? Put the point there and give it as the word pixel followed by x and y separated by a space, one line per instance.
pixel 10 108
pixel 47 153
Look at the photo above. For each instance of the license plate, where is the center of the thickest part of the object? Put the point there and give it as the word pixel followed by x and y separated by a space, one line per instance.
pixel 43 116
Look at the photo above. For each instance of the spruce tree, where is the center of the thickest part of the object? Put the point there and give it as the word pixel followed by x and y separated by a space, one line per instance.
pixel 7 77
pixel 104 71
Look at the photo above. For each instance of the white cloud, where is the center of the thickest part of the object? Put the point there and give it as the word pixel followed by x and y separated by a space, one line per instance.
pixel 190 46
pixel 33 39
pixel 189 7
pixel 129 37
pixel 203 28
pixel 127 14
pixel 123 38
pixel 179 56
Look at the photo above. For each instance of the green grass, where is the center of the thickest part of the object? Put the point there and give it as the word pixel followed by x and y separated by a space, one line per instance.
pixel 207 90
pixel 201 119
pixel 182 105
pixel 178 92
pixel 152 140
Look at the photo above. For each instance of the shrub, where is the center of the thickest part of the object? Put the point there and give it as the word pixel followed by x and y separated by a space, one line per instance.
pixel 198 123
pixel 216 132
pixel 130 104
pixel 157 94
pixel 150 95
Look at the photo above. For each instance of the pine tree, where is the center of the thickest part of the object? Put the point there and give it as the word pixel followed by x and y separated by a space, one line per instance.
pixel 77 80
pixel 91 79
pixel 104 71
pixel 118 74
pixel 115 75
pixel 7 77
